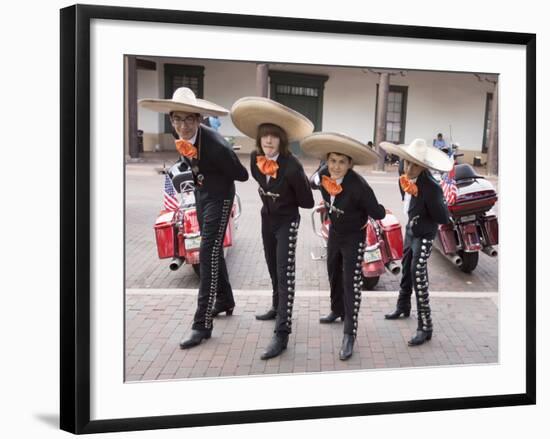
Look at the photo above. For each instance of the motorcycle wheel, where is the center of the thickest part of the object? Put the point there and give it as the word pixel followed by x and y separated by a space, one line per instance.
pixel 197 269
pixel 370 282
pixel 469 261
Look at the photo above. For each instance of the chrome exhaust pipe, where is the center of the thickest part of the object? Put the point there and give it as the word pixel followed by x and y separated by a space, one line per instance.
pixel 489 250
pixel 393 267
pixel 176 263
pixel 455 259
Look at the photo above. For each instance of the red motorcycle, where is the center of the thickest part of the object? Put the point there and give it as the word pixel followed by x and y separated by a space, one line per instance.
pixel 383 245
pixel 177 231
pixel 473 228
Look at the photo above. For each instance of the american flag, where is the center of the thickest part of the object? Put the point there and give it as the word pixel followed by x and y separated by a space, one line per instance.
pixel 448 184
pixel 170 197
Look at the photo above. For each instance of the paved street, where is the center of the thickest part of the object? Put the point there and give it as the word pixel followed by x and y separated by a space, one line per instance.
pixel 465 332
pixel 160 303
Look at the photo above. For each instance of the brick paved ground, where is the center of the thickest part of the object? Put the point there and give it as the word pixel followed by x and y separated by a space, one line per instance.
pixel 160 303
pixel 465 332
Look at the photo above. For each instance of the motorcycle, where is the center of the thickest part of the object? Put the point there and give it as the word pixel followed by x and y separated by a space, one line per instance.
pixel 177 231
pixel 473 227
pixel 383 241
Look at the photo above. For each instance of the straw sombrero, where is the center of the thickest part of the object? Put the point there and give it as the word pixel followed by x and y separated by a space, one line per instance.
pixel 184 100
pixel 250 112
pixel 419 152
pixel 319 145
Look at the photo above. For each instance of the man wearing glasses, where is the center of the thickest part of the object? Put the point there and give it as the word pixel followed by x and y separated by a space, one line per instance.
pixel 215 168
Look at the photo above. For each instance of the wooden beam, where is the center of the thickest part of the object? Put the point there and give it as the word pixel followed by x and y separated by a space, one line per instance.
pixel 261 79
pixel 131 107
pixel 380 136
pixel 492 148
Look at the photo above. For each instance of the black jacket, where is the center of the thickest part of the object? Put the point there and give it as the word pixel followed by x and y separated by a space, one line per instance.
pixel 428 209
pixel 217 166
pixel 291 186
pixel 353 205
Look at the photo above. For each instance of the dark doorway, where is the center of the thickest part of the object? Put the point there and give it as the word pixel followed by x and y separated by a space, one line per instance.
pixel 301 92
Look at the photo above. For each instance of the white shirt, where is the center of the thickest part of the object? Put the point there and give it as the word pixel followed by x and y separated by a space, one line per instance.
pixel 332 197
pixel 274 158
pixel 407 199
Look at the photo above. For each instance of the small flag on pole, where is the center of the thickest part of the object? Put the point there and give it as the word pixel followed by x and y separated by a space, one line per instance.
pixel 448 184
pixel 170 197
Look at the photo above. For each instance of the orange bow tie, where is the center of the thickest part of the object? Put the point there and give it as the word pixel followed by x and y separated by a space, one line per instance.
pixel 186 149
pixel 408 186
pixel 331 186
pixel 267 166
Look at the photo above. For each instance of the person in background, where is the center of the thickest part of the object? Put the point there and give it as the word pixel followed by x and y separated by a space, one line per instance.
pixel 214 122
pixel 439 142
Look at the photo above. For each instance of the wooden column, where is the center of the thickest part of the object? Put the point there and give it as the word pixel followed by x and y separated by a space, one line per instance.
pixel 380 136
pixel 131 107
pixel 262 79
pixel 492 147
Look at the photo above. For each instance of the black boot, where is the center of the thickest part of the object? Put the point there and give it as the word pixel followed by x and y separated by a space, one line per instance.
pixel 346 350
pixel 228 310
pixel 403 307
pixel 420 337
pixel 331 317
pixel 276 346
pixel 269 315
pixel 197 336
pixel 397 313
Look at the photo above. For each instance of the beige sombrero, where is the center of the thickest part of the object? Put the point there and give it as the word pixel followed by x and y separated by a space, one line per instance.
pixel 250 112
pixel 319 145
pixel 184 100
pixel 419 152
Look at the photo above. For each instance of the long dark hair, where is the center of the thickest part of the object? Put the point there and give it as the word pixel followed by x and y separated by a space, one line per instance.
pixel 275 130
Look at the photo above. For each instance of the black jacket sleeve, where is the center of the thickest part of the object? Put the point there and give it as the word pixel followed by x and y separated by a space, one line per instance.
pixel 370 203
pixel 232 166
pixel 225 158
pixel 300 184
pixel 435 203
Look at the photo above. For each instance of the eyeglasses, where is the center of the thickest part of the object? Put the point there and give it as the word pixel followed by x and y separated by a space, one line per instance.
pixel 189 120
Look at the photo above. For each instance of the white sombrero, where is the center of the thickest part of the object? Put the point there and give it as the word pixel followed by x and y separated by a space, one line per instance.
pixel 319 145
pixel 184 100
pixel 419 152
pixel 250 112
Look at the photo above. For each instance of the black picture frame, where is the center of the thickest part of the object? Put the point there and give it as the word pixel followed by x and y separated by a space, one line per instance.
pixel 75 217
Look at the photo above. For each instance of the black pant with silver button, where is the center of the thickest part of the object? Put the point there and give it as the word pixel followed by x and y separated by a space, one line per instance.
pixel 344 260
pixel 280 237
pixel 214 280
pixel 414 264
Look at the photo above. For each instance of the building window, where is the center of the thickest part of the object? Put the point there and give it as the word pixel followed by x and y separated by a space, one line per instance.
pixel 178 75
pixel 297 91
pixel 302 92
pixel 395 114
pixel 488 115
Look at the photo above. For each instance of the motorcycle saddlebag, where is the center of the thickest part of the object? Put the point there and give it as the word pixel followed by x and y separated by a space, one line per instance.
pixel 394 238
pixel 165 234
pixel 191 225
pixel 448 238
pixel 490 229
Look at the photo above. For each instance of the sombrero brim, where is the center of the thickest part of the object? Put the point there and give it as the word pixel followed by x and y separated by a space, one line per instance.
pixel 249 113
pixel 319 145
pixel 433 158
pixel 168 105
